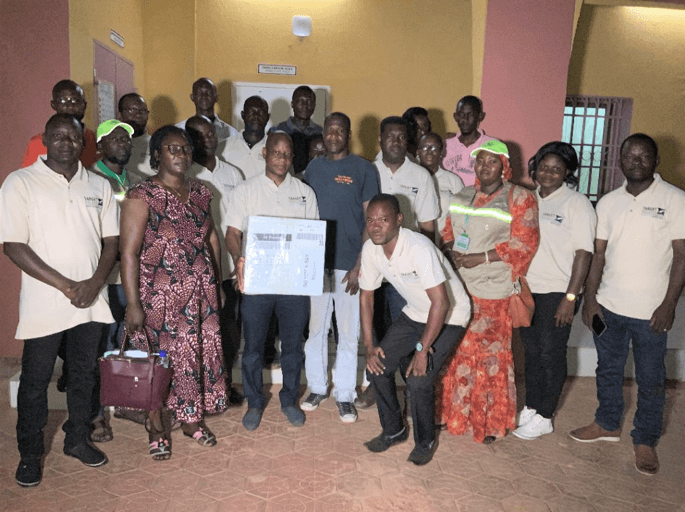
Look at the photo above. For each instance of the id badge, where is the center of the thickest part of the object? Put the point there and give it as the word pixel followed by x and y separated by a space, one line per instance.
pixel 462 242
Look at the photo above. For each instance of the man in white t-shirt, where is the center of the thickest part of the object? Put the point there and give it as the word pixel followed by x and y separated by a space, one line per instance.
pixel 59 225
pixel 204 96
pixel 418 343
pixel 274 193
pixel 221 178
pixel 635 280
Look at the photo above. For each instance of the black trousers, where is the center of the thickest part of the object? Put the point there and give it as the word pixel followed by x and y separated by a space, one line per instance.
pixel 37 365
pixel 229 323
pixel 546 347
pixel 398 345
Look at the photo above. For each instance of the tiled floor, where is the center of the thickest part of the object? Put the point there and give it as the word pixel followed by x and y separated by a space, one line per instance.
pixel 323 466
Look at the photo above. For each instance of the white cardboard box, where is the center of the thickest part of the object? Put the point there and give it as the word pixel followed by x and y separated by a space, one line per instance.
pixel 284 256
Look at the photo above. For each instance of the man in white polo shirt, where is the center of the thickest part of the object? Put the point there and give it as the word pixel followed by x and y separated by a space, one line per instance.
pixel 204 96
pixel 635 280
pixel 134 112
pixel 415 191
pixel 420 340
pixel 244 150
pixel 59 225
pixel 275 193
pixel 221 178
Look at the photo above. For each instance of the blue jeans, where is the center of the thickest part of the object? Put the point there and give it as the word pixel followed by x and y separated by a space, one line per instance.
pixel 292 312
pixel 649 352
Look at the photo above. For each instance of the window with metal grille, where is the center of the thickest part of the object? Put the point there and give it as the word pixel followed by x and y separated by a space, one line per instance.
pixel 595 126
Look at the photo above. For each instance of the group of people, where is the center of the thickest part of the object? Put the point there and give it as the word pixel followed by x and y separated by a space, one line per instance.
pixel 123 237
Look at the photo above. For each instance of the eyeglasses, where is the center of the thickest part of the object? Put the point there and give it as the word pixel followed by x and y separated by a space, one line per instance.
pixel 175 149
pixel 430 148
pixel 134 111
pixel 69 101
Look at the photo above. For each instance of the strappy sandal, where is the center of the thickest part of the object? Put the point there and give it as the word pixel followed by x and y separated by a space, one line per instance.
pixel 102 432
pixel 203 436
pixel 160 448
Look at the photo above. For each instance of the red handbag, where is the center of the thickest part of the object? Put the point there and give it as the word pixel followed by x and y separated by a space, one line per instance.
pixel 521 304
pixel 133 382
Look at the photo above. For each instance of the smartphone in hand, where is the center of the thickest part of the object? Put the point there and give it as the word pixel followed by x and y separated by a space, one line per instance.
pixel 598 325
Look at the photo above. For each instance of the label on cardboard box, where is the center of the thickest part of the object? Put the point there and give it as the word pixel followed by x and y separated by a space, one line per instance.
pixel 284 256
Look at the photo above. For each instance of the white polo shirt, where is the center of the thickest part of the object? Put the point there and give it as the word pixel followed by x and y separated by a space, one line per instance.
pixel 236 152
pixel 639 231
pixel 64 223
pixel 221 182
pixel 415 266
pixel 222 128
pixel 448 185
pixel 413 187
pixel 139 163
pixel 261 196
pixel 567 223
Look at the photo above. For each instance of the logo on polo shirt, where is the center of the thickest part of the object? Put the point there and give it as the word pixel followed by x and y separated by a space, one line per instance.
pixel 553 218
pixel 345 180
pixel 410 277
pixel 297 199
pixel 654 212
pixel 410 190
pixel 93 202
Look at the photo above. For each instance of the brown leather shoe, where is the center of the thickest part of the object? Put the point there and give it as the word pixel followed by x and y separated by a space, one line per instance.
pixel 593 433
pixel 646 461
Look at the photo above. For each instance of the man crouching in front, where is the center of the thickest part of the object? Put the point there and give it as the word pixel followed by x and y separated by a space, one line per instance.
pixel 423 336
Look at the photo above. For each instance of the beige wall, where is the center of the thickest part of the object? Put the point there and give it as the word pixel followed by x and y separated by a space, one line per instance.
pixel 379 57
pixel 637 52
pixel 170 68
pixel 93 19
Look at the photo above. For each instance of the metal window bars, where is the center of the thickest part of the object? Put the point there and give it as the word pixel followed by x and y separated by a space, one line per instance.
pixel 595 126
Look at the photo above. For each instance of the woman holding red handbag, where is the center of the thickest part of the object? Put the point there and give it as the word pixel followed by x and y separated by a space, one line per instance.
pixel 556 276
pixel 490 236
pixel 170 257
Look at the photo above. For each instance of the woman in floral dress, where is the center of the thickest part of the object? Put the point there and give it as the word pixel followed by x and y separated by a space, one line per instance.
pixel 170 253
pixel 491 237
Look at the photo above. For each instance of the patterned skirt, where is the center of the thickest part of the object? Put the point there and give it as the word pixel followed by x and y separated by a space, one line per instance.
pixel 477 391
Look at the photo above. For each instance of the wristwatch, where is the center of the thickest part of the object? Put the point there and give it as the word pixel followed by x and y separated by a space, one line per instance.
pixel 419 346
pixel 571 297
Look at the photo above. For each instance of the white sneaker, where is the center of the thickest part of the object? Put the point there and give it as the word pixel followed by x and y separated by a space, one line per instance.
pixel 536 427
pixel 525 416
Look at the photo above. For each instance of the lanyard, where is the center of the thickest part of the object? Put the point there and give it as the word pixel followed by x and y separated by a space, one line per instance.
pixel 122 180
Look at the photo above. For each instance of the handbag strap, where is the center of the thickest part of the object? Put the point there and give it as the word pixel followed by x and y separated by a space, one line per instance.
pixel 126 338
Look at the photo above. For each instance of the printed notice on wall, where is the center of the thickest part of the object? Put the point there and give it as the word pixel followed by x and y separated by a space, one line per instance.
pixel 105 101
pixel 284 256
pixel 275 69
